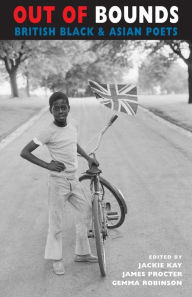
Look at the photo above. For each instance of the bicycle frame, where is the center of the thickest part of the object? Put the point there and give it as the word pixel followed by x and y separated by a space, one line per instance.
pixel 96 183
pixel 98 205
pixel 99 221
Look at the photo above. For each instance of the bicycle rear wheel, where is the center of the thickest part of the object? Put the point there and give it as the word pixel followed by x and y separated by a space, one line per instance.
pixel 114 202
pixel 98 232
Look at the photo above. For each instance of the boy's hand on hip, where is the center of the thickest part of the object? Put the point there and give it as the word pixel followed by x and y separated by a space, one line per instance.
pixel 56 166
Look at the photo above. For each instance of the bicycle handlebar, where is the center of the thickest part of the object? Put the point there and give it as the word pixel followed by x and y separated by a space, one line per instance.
pixel 101 133
pixel 113 119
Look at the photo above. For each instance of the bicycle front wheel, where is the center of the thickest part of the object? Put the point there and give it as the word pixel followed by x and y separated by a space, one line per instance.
pixel 115 205
pixel 98 228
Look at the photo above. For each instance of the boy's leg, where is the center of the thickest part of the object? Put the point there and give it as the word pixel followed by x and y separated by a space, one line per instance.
pixel 81 200
pixel 58 189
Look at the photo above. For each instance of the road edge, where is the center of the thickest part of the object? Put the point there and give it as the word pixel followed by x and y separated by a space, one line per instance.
pixel 166 122
pixel 21 129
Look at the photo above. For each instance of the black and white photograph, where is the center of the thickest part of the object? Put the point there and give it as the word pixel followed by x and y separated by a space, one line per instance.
pixel 96 168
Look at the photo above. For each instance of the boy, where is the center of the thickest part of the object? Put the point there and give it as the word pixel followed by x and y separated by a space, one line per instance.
pixel 61 139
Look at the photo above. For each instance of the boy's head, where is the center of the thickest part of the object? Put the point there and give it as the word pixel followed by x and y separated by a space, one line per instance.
pixel 59 106
pixel 57 95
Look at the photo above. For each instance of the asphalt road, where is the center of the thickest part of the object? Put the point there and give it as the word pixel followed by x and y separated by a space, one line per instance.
pixel 151 164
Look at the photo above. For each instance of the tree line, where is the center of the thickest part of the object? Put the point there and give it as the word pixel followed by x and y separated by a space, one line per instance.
pixel 68 64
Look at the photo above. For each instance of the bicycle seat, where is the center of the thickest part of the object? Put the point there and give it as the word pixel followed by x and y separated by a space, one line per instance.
pixel 93 170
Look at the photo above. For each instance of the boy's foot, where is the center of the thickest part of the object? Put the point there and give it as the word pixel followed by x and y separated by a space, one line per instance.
pixel 58 267
pixel 86 258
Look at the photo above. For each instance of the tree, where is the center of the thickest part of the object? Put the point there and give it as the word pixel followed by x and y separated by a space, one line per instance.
pixel 177 48
pixel 176 73
pixel 99 70
pixel 73 64
pixel 35 59
pixel 152 73
pixel 12 54
pixel 4 75
pixel 58 60
pixel 48 62
pixel 118 52
pixel 53 82
pixel 159 74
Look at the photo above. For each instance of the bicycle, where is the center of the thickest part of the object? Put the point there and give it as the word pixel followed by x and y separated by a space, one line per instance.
pixel 108 204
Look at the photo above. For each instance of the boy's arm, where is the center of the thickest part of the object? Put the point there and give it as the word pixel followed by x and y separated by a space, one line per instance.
pixel 26 153
pixel 91 161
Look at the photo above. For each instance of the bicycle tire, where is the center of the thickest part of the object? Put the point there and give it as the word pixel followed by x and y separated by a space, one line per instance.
pixel 116 195
pixel 97 223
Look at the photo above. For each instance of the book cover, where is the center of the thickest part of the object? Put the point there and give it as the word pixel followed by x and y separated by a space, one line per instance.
pixel 131 60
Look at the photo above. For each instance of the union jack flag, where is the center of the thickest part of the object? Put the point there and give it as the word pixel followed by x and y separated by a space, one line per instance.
pixel 121 98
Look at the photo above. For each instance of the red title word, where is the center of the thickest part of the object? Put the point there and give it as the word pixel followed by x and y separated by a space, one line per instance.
pixel 35 14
